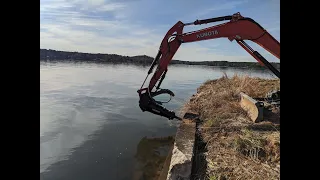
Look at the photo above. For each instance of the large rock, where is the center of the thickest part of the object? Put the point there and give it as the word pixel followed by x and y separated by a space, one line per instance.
pixel 181 160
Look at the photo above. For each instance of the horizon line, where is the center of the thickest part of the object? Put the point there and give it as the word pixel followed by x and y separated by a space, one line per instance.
pixel 151 56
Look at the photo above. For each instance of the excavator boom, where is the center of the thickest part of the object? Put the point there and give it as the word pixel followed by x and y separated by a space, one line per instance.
pixel 238 28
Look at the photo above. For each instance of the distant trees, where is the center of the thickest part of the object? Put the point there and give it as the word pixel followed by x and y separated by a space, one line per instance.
pixel 53 55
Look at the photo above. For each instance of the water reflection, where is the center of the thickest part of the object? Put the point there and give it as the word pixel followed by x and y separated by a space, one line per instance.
pixel 152 153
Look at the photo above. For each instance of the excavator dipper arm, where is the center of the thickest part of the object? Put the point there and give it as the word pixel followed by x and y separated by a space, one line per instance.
pixel 238 28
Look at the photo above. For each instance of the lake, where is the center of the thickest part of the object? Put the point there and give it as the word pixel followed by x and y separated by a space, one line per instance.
pixel 91 126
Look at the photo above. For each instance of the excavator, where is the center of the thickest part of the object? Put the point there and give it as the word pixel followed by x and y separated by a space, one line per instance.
pixel 237 28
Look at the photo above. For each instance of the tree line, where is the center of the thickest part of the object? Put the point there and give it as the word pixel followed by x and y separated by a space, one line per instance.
pixel 64 56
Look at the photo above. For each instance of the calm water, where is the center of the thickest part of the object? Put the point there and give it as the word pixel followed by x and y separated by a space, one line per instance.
pixel 90 121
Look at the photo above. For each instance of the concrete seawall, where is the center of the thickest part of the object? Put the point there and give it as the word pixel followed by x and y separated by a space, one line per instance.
pixel 179 162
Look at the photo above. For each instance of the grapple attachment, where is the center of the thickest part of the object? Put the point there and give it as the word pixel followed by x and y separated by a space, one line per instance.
pixel 147 103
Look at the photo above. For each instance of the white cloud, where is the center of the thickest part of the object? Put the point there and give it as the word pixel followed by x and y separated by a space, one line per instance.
pixel 88 41
pixel 102 8
pixel 95 2
pixel 68 39
pixel 196 52
pixel 111 7
pixel 64 28
pixel 222 6
pixel 54 5
pixel 75 31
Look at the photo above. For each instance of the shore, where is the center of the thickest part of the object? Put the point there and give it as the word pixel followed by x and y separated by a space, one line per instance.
pixel 48 55
pixel 233 145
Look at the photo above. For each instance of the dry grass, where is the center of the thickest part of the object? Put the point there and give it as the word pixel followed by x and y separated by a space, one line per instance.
pixel 218 99
pixel 236 151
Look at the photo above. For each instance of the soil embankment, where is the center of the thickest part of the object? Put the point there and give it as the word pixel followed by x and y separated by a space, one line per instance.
pixel 228 143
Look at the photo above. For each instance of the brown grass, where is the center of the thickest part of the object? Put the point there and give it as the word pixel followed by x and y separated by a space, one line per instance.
pixel 236 151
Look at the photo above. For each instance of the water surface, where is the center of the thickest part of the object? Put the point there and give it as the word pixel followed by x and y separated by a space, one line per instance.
pixel 90 122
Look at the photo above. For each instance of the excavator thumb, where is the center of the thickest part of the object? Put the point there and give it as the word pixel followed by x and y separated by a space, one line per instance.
pixel 147 103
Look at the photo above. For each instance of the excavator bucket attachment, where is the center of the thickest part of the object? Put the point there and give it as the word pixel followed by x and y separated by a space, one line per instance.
pixel 252 107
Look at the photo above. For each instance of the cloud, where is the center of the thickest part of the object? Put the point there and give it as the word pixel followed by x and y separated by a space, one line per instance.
pixel 222 6
pixel 128 28
pixel 99 6
pixel 80 31
pixel 196 51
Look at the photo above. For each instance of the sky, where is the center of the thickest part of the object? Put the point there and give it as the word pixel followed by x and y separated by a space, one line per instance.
pixel 137 27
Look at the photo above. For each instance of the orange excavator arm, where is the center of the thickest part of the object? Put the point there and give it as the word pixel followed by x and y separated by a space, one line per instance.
pixel 238 28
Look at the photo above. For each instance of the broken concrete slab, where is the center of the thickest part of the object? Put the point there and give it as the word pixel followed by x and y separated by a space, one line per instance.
pixel 182 153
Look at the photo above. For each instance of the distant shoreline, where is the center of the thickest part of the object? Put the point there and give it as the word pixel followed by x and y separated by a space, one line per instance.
pixel 64 56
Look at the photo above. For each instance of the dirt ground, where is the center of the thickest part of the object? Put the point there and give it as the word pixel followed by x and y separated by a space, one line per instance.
pixel 236 147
